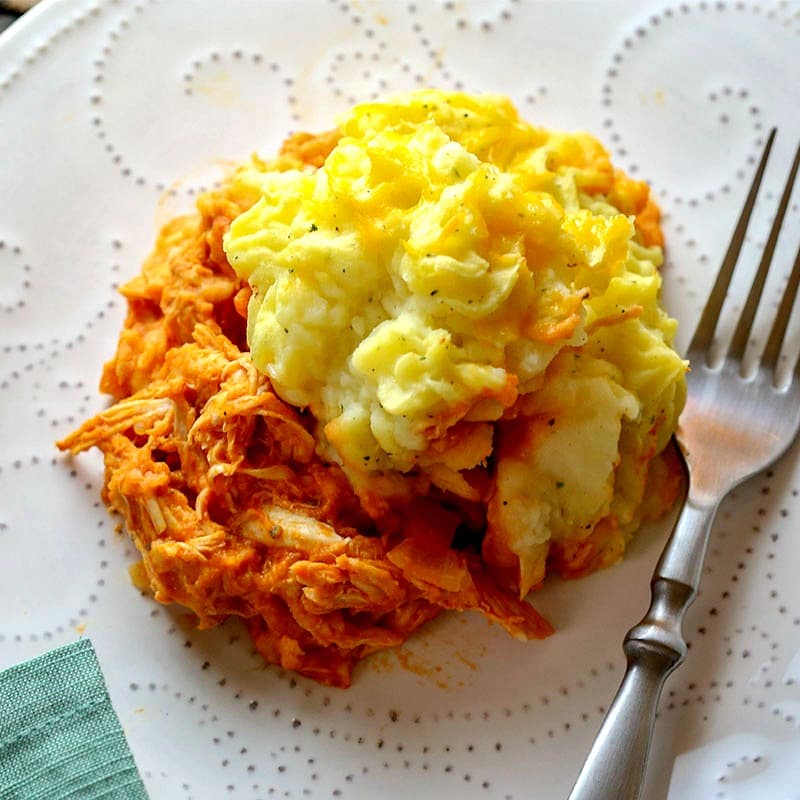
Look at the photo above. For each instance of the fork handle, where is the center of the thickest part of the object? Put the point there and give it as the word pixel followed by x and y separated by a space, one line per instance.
pixel 616 765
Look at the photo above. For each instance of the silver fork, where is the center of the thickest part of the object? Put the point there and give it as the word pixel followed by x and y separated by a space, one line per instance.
pixel 734 425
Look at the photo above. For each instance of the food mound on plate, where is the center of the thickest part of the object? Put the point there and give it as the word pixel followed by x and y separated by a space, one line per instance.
pixel 410 364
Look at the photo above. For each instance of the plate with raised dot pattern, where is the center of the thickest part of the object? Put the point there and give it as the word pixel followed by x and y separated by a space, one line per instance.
pixel 116 114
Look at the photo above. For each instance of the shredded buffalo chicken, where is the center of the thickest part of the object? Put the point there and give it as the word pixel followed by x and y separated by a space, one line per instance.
pixel 222 490
pixel 232 509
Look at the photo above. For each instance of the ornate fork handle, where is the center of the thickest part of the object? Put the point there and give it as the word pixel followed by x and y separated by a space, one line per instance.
pixel 615 767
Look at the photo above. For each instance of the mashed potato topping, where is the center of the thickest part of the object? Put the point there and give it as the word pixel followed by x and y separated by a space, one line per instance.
pixel 450 278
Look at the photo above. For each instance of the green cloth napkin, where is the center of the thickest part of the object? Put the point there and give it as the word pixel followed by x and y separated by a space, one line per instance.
pixel 60 738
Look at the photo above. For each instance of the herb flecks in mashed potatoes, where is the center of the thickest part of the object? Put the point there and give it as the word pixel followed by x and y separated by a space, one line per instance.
pixel 453 288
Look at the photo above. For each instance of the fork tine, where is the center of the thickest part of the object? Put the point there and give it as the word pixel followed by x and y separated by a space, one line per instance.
pixel 704 333
pixel 742 333
pixel 769 358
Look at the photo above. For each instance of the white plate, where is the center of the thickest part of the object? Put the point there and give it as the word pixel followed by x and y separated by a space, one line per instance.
pixel 114 113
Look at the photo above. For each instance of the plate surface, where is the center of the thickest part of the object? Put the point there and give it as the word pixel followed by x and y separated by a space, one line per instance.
pixel 115 114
